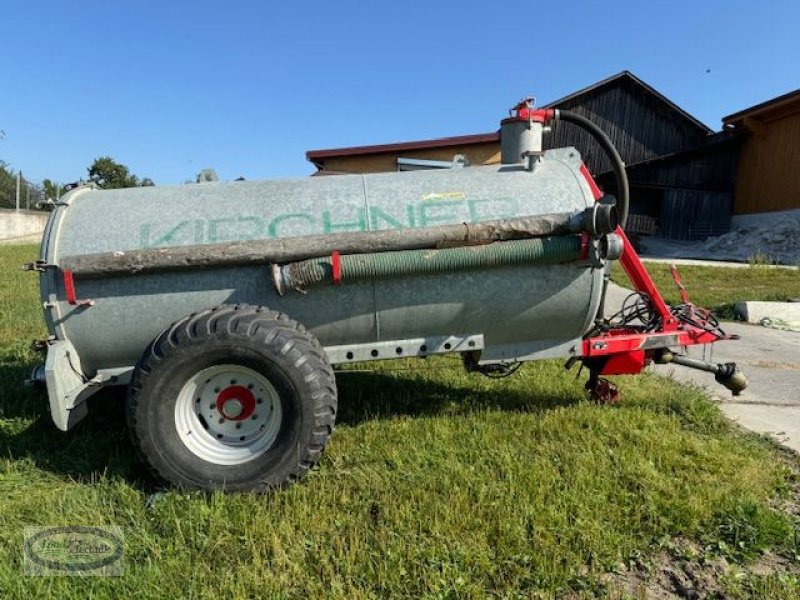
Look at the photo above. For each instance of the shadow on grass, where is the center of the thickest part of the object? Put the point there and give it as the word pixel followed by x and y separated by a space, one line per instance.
pixel 99 445
pixel 374 395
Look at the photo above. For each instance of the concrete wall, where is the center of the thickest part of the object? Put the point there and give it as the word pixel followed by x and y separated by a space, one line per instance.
pixel 22 224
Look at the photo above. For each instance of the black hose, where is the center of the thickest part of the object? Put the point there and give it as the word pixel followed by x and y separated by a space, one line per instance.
pixel 623 193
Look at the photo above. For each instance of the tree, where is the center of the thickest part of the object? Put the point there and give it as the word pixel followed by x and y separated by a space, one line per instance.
pixel 108 174
pixel 29 193
pixel 51 189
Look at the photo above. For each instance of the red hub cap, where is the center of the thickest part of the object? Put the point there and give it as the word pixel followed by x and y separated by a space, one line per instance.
pixel 236 403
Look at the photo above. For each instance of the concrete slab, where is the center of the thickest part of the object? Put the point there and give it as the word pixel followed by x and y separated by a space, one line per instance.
pixel 757 312
pixel 771 361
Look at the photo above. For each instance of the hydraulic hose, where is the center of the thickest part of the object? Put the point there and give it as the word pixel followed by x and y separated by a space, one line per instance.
pixel 383 265
pixel 623 192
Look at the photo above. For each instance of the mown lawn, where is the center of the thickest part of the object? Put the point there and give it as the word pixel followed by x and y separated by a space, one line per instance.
pixel 435 484
pixel 719 288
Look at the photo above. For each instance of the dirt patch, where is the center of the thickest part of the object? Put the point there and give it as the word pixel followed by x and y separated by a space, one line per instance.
pixel 686 572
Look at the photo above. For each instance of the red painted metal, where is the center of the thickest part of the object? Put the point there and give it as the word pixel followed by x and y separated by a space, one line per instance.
pixel 627 350
pixel 524 111
pixel 625 363
pixel 677 279
pixel 642 282
pixel 629 340
pixel 585 240
pixel 243 395
pixel 336 267
pixel 596 191
pixel 69 290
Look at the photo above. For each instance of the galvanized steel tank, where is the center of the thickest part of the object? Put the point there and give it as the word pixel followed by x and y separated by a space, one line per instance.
pixel 519 310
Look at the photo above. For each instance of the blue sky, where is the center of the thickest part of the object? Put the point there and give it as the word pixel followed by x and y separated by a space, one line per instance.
pixel 246 87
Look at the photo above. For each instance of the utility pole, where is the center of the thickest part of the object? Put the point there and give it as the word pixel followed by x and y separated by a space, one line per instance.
pixel 19 176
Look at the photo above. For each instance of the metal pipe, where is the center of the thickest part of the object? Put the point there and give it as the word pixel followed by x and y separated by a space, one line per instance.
pixel 727 374
pixel 597 220
pixel 694 363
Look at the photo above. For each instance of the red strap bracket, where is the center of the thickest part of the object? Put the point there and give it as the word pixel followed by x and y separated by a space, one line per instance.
pixel 69 289
pixel 677 279
pixel 336 267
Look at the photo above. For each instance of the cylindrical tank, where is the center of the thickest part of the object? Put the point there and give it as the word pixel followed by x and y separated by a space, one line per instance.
pixel 518 309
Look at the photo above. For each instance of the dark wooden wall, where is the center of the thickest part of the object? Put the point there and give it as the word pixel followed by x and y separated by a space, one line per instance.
pixel 641 125
pixel 694 214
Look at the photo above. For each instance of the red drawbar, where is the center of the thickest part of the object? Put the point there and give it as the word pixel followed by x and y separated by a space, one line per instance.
pixel 624 350
pixel 336 267
pixel 633 266
pixel 626 363
pixel 596 191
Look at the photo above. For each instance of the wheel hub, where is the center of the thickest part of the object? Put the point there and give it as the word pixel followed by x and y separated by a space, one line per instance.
pixel 228 414
pixel 236 403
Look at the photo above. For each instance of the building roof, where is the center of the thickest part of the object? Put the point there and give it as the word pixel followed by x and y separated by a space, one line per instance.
pixel 627 76
pixel 460 140
pixel 771 109
pixel 484 138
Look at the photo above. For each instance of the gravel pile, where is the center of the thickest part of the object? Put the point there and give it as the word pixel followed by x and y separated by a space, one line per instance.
pixel 778 243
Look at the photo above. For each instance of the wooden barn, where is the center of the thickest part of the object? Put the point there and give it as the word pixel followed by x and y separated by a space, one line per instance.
pixel 768 179
pixel 681 172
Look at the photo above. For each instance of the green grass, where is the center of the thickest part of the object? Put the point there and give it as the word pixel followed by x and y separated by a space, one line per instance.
pixel 435 484
pixel 719 288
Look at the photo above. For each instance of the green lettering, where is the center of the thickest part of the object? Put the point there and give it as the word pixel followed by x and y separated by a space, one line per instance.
pixel 377 215
pixel 199 231
pixel 228 229
pixel 273 226
pixel 213 224
pixel 412 220
pixel 168 239
pixel 359 225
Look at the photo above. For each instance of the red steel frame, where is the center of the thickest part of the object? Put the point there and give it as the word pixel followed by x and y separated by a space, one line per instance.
pixel 625 351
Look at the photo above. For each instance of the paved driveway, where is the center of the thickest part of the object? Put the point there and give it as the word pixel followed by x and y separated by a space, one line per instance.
pixel 771 361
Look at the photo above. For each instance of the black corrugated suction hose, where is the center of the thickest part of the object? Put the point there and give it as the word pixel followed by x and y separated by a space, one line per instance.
pixel 623 192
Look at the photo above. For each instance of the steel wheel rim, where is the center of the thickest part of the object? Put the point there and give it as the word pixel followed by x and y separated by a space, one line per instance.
pixel 228 414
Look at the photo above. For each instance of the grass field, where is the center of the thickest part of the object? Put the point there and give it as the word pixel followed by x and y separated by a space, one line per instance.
pixel 719 288
pixel 436 484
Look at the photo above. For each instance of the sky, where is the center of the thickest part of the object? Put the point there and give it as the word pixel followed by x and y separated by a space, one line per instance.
pixel 247 87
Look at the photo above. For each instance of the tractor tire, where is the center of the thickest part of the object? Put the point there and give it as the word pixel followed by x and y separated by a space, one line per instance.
pixel 233 398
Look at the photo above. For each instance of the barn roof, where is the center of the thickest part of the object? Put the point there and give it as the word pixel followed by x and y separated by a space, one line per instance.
pixel 623 77
pixel 775 108
pixel 628 77
pixel 460 140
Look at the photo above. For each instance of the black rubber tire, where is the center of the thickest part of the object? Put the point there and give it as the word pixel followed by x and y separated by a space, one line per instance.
pixel 270 343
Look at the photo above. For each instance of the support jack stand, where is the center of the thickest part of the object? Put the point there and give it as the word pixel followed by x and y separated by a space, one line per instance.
pixel 601 390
